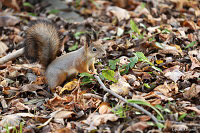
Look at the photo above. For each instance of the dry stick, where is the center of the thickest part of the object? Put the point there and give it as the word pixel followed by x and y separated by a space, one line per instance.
pixel 11 56
pixel 124 100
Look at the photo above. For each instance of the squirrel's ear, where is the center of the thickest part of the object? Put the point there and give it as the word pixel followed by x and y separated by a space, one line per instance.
pixel 84 41
pixel 95 35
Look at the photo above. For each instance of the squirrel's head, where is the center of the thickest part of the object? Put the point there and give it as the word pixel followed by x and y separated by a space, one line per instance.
pixel 94 48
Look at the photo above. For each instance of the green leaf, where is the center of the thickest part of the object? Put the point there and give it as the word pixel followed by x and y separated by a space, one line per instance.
pixel 28 4
pixel 54 11
pixel 74 47
pixel 109 75
pixel 191 44
pixel 151 39
pixel 134 27
pixel 85 75
pixel 31 14
pixel 147 85
pixel 130 65
pixel 160 125
pixel 166 31
pixel 182 116
pixel 143 5
pixel 78 34
pixel 112 64
pixel 86 78
pixel 147 104
pixel 133 60
pixel 158 106
pixel 142 57
pixel 84 82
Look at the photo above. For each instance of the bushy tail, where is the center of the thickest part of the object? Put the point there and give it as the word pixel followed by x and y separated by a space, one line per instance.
pixel 42 42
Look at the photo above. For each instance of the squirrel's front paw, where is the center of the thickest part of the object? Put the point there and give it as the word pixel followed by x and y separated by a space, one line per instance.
pixel 95 71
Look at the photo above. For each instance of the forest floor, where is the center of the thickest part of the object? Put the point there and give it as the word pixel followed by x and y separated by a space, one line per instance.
pixel 152 60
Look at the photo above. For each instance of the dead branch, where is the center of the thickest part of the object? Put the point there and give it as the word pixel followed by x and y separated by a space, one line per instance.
pixel 124 100
pixel 11 56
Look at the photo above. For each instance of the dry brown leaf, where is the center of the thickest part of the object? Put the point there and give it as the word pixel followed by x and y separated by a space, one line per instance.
pixel 96 120
pixel 195 109
pixel 121 87
pixel 139 126
pixel 167 89
pixel 120 13
pixel 3 48
pixel 144 118
pixel 173 73
pixel 64 130
pixel 11 120
pixel 56 102
pixel 61 115
pixel 12 4
pixel 9 21
pixel 104 108
pixel 192 92
pixel 194 55
pixel 190 24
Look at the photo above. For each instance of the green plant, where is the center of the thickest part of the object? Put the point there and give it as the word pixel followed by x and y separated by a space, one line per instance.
pixel 78 34
pixel 27 4
pixel 133 61
pixel 54 11
pixel 143 58
pixel 191 44
pixel 74 47
pixel 146 104
pixel 109 75
pixel 86 78
pixel 135 29
pixel 113 63
pixel 120 111
pixel 182 116
pixel 15 130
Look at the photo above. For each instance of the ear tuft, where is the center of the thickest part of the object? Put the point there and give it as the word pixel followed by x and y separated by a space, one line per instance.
pixel 95 35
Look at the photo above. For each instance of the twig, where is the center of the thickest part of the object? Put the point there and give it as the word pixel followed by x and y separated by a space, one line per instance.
pixel 11 56
pixel 124 100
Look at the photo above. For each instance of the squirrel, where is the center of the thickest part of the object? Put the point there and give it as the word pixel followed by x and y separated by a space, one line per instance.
pixel 42 44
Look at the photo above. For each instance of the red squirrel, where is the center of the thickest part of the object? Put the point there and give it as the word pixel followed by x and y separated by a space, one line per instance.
pixel 42 44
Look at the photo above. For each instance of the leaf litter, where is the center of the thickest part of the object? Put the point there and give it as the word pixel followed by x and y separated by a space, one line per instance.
pixel 153 47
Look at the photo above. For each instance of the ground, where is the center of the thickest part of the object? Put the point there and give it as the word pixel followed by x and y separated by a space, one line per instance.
pixel 152 60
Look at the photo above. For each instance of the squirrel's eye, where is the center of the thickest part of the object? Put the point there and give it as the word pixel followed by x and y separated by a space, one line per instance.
pixel 94 49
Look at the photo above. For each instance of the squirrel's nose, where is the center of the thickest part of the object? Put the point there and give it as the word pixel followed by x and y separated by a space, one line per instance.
pixel 103 54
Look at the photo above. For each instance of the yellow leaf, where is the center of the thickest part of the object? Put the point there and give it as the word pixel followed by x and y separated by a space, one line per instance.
pixel 69 86
pixel 159 61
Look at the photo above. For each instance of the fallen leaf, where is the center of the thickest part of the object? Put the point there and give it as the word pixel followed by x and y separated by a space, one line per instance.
pixel 11 120
pixel 173 73
pixel 167 89
pixel 69 86
pixel 192 92
pixel 104 108
pixel 134 127
pixel 3 48
pixel 61 115
pixel 190 24
pixel 97 120
pixel 8 21
pixel 195 109
pixel 120 13
pixel 121 87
